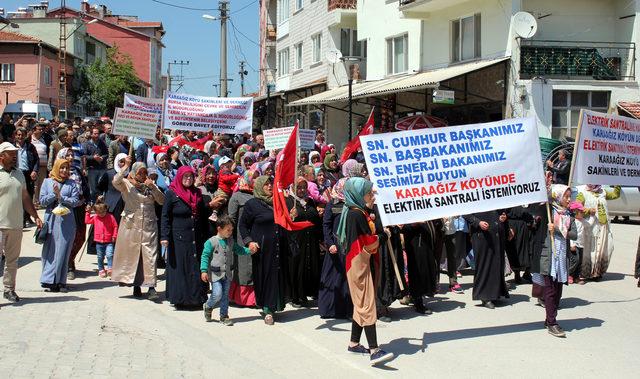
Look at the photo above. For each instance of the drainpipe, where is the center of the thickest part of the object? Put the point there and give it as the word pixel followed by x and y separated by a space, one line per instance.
pixel 39 71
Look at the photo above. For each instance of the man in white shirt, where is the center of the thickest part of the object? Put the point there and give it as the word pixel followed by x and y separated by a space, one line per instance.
pixel 13 197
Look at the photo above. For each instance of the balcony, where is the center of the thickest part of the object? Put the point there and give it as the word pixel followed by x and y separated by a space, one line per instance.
pixel 342 13
pixel 271 34
pixel 421 8
pixel 577 60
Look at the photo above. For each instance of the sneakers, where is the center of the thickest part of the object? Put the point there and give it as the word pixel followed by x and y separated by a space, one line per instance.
pixel 102 273
pixel 556 331
pixel 380 356
pixel 207 312
pixel 268 319
pixel 456 288
pixel 71 275
pixel 458 274
pixel 359 349
pixel 226 321
pixel 488 304
pixel 406 300
pixel 11 296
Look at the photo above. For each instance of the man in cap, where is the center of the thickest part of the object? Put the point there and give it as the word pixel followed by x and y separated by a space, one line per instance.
pixel 13 198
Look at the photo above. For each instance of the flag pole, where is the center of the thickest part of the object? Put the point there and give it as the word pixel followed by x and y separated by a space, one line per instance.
pixel 575 149
pixel 395 263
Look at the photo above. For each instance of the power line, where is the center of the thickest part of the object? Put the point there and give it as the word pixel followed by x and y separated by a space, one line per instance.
pixel 243 8
pixel 242 34
pixel 239 46
pixel 183 7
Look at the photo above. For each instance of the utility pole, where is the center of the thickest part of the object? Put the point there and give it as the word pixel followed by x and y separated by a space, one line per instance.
pixel 242 73
pixel 178 78
pixel 223 48
pixel 62 64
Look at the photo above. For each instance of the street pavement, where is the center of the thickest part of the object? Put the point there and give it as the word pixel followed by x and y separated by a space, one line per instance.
pixel 98 330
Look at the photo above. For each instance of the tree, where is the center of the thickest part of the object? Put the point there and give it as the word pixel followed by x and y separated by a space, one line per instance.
pixel 103 84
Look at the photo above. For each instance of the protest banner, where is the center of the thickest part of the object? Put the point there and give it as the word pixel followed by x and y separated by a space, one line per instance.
pixel 607 150
pixel 277 138
pixel 145 104
pixel 229 115
pixel 134 123
pixel 426 174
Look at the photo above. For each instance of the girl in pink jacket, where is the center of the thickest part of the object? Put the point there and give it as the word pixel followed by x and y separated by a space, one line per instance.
pixel 105 232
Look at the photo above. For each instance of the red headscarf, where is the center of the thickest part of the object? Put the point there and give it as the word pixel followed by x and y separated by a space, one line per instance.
pixel 324 152
pixel 190 195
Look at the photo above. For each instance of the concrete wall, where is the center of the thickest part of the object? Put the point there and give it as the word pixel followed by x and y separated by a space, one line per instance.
pixel 495 19
pixel 379 20
pixel 48 30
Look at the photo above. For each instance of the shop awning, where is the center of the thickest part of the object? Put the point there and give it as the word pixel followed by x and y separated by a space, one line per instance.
pixel 427 79
pixel 632 108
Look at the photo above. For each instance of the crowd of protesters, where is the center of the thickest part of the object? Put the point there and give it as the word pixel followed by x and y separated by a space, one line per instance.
pixel 201 206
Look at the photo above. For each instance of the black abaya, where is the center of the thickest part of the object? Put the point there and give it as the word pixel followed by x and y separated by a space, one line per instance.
pixel 422 267
pixel 388 289
pixel 489 250
pixel 334 300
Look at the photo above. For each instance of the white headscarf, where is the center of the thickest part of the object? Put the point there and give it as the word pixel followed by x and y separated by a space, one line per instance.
pixel 119 157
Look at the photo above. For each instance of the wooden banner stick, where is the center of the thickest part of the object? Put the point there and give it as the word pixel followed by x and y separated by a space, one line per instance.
pixel 395 263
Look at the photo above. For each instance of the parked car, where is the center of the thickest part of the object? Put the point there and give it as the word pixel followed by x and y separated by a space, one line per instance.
pixel 22 107
pixel 627 205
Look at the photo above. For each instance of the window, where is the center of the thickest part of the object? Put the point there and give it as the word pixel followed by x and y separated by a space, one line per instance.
pixel 465 38
pixel 283 62
pixel 47 75
pixel 397 54
pixel 316 42
pixel 297 63
pixel 566 110
pixel 283 11
pixel 7 72
pixel 299 4
pixel 91 52
pixel 349 44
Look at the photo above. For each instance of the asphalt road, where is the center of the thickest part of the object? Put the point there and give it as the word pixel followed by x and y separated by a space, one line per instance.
pixel 98 329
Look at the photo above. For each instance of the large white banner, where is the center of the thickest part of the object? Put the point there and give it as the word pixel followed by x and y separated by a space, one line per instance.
pixel 135 123
pixel 427 174
pixel 607 150
pixel 145 104
pixel 229 115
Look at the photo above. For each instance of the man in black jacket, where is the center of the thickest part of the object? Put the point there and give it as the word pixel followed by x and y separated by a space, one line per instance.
pixel 560 169
pixel 28 163
pixel 96 153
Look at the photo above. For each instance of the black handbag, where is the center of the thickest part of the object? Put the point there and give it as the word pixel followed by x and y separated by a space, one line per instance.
pixel 40 234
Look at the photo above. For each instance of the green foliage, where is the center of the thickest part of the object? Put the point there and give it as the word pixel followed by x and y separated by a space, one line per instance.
pixel 103 84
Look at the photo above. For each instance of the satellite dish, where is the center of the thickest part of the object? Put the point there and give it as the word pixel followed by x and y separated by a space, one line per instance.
pixel 524 24
pixel 333 56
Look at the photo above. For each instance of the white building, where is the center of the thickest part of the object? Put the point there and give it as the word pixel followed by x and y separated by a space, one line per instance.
pixel 575 60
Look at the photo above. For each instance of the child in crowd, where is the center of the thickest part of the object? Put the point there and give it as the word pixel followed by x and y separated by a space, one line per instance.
pixel 584 223
pixel 221 197
pixel 226 178
pixel 215 267
pixel 105 232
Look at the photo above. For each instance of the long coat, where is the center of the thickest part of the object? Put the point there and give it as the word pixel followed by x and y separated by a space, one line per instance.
pixel 112 197
pixel 242 263
pixel 62 230
pixel 489 250
pixel 137 241
pixel 186 234
pixel 270 264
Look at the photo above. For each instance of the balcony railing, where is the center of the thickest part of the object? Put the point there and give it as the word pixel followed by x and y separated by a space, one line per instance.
pixel 341 4
pixel 577 60
pixel 271 32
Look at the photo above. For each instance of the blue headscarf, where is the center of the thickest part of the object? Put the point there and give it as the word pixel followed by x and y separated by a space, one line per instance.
pixel 354 191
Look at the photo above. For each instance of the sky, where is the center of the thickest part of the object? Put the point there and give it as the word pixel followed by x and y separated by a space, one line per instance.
pixel 190 37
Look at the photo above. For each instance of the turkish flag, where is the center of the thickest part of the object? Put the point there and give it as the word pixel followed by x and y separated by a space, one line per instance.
pixel 353 145
pixel 285 176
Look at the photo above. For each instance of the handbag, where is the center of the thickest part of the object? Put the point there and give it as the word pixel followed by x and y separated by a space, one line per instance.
pixel 40 234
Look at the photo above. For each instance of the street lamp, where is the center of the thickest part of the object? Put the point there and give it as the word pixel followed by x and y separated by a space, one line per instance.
pixel 79 26
pixel 353 72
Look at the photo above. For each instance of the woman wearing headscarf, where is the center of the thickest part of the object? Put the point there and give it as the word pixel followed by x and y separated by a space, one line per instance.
pixel 76 174
pixel 554 262
pixel 304 244
pixel 113 197
pixel 326 149
pixel 351 169
pixel 207 182
pixel 56 190
pixel 358 239
pixel 136 250
pixel 165 172
pixel 488 238
pixel 598 251
pixel 241 291
pixel 422 266
pixel 183 233
pixel 266 168
pixel 270 266
pixel 332 168
pixel 314 159
pixel 334 300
